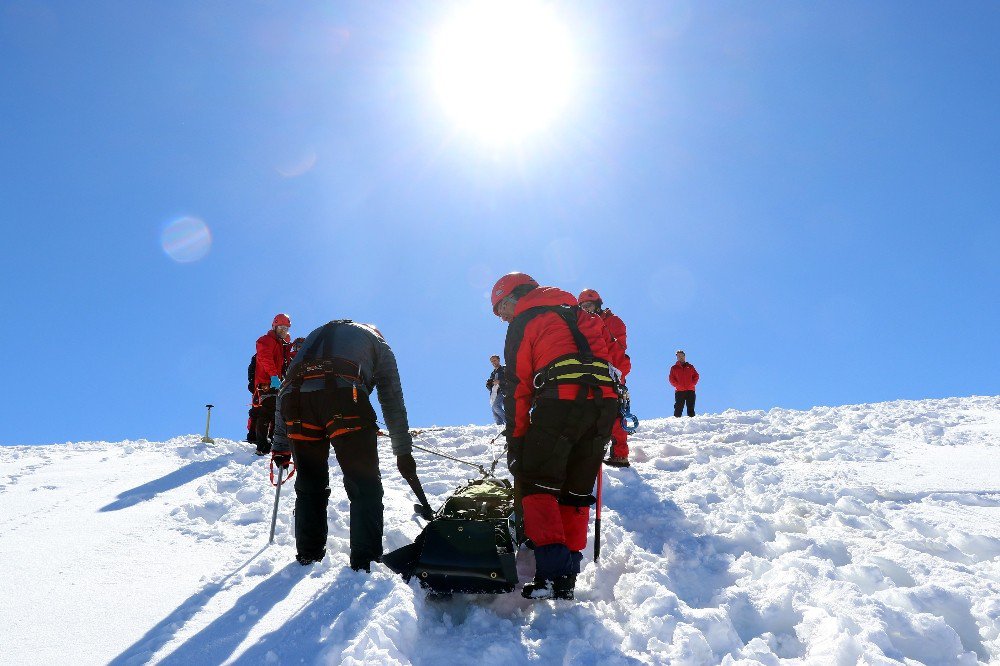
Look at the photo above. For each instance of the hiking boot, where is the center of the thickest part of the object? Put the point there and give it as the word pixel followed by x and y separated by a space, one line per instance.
pixel 364 563
pixel 263 448
pixel 537 589
pixel 308 558
pixel 617 461
pixel 561 588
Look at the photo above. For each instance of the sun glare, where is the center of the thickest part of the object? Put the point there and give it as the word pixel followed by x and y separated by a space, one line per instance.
pixel 504 70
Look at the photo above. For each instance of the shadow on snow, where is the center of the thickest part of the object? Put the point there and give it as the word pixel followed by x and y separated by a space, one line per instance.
pixel 174 479
pixel 160 635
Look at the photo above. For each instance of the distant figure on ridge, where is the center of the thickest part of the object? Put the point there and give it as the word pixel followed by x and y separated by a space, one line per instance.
pixel 683 377
pixel 591 301
pixel 273 356
pixel 557 369
pixel 498 391
pixel 324 403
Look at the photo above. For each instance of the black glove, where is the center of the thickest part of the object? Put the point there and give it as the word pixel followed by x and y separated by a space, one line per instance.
pixel 406 465
pixel 281 458
pixel 514 450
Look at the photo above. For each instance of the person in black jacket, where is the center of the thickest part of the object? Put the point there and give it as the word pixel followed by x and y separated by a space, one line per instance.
pixel 324 403
pixel 497 388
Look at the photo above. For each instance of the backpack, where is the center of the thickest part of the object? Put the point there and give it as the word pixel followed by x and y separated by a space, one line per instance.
pixel 251 372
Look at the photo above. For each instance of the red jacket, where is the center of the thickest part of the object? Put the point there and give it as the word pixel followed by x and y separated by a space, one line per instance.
pixel 272 355
pixel 683 377
pixel 534 342
pixel 616 327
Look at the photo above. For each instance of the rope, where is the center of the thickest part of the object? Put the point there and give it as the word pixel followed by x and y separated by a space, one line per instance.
pixel 416 434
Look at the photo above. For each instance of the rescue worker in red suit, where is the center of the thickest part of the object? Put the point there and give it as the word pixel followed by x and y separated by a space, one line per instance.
pixel 557 358
pixel 684 378
pixel 591 301
pixel 273 355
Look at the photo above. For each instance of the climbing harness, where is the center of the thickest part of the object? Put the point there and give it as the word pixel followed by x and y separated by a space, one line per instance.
pixel 574 369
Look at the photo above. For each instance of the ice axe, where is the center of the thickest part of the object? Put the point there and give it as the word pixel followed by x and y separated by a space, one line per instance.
pixel 597 519
pixel 277 494
pixel 206 439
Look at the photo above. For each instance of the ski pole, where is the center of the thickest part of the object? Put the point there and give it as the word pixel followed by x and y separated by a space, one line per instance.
pixel 597 520
pixel 206 439
pixel 277 494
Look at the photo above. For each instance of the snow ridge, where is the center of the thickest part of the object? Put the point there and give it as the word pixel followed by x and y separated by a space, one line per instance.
pixel 859 534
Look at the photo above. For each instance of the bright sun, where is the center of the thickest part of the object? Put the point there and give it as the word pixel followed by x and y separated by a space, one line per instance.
pixel 504 69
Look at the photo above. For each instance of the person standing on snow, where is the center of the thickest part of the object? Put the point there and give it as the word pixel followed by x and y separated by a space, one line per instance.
pixel 683 377
pixel 557 360
pixel 495 385
pixel 273 355
pixel 591 301
pixel 324 403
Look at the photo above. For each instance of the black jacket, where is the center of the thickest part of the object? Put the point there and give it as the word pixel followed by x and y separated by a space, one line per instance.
pixel 376 363
pixel 497 377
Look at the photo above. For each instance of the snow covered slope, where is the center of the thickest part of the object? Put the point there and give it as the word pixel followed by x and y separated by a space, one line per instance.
pixel 866 533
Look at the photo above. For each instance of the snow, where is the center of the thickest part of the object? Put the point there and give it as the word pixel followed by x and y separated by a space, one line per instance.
pixel 860 534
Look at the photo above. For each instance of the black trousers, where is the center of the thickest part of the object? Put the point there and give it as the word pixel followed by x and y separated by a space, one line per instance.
pixel 357 455
pixel 680 399
pixel 564 446
pixel 560 456
pixel 264 421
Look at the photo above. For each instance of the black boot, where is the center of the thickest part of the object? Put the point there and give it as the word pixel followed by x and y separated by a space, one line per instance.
pixel 309 558
pixel 617 461
pixel 563 588
pixel 537 589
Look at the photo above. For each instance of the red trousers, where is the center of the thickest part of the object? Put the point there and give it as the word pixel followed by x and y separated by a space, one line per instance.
pixel 619 440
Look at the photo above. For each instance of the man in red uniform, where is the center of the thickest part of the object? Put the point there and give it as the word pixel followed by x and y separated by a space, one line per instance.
pixel 557 360
pixel 273 355
pixel 683 377
pixel 591 301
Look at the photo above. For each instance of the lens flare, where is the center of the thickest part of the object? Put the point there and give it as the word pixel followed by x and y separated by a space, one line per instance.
pixel 186 239
pixel 296 165
pixel 504 70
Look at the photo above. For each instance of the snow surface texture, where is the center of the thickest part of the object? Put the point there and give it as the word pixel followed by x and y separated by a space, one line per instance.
pixel 862 534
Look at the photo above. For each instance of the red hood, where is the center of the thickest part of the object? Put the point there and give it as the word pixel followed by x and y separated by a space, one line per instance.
pixel 543 296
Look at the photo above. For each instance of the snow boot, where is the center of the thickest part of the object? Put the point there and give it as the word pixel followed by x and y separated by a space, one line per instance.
pixel 263 448
pixel 537 589
pixel 564 588
pixel 617 461
pixel 308 558
pixel 561 588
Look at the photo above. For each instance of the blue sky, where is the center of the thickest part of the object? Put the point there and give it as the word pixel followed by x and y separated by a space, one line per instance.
pixel 802 195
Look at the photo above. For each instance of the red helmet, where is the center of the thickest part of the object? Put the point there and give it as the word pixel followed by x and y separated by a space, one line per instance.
pixel 507 284
pixel 281 319
pixel 588 295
